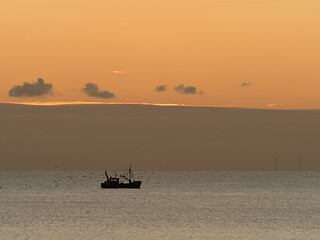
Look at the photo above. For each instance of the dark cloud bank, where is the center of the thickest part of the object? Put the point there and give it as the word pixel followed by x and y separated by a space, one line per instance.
pixel 92 90
pixel 186 90
pixel 161 88
pixel 83 137
pixel 36 89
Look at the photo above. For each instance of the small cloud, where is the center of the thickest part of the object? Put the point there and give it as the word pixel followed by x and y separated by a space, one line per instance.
pixel 36 89
pixel 186 90
pixel 118 72
pixel 92 90
pixel 245 84
pixel 271 104
pixel 161 88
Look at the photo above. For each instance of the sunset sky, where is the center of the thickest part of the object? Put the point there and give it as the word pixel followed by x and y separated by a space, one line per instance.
pixel 242 53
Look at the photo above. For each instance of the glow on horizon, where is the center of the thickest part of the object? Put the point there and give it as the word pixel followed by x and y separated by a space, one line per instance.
pixel 115 103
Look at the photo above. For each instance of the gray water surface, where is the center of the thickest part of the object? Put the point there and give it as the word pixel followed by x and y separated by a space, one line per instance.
pixel 169 205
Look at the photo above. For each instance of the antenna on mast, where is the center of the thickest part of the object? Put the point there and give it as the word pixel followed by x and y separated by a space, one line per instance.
pixel 130 173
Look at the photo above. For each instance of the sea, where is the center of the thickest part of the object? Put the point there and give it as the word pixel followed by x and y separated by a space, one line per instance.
pixel 169 205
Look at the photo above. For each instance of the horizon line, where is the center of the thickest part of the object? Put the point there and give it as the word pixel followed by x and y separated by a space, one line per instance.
pixel 65 103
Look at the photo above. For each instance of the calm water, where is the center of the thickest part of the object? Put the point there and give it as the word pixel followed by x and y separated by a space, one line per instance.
pixel 170 205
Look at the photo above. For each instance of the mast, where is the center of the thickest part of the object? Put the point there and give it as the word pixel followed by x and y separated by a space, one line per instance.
pixel 106 175
pixel 130 174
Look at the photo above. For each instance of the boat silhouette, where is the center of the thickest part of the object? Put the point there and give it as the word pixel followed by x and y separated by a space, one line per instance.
pixel 114 182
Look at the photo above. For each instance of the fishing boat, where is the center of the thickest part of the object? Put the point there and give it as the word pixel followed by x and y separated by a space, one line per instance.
pixel 115 182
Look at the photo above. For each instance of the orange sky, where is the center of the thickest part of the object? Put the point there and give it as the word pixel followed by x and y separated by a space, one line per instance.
pixel 131 47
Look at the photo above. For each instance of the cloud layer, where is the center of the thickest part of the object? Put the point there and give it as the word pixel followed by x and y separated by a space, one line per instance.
pixel 161 88
pixel 186 90
pixel 36 89
pixel 92 90
pixel 245 84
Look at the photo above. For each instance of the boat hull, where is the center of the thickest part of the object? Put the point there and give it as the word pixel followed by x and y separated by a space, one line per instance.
pixel 135 184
